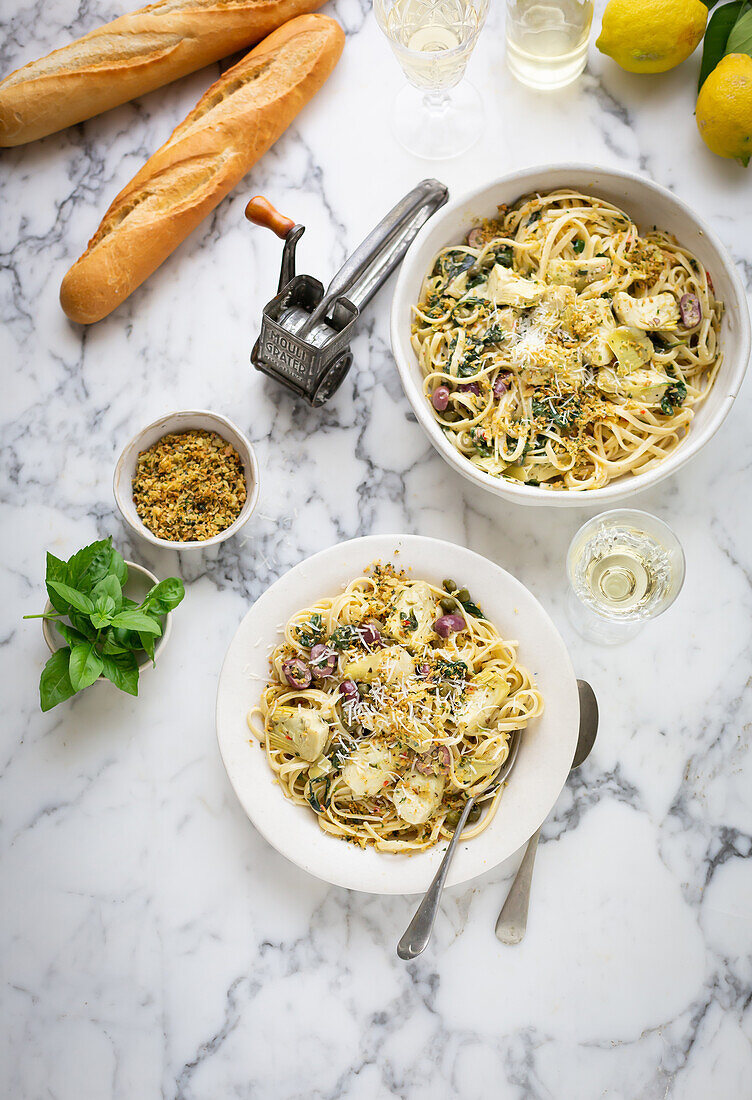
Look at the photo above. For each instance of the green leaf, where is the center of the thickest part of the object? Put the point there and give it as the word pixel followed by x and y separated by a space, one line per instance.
pixel 100 619
pixel 716 37
pixel 85 666
pixel 137 620
pixel 165 596
pixel 54 684
pixel 72 637
pixel 83 624
pixel 90 565
pixel 122 670
pixel 57 570
pixel 740 39
pixel 148 642
pixel 110 587
pixel 118 568
pixel 111 645
pixel 73 597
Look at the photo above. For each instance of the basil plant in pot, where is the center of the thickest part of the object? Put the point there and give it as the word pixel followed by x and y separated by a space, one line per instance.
pixel 106 634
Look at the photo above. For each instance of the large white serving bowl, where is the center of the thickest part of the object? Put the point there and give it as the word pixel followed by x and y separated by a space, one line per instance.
pixel 546 751
pixel 647 204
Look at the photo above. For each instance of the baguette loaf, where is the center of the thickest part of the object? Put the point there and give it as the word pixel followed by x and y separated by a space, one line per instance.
pixel 230 127
pixel 131 56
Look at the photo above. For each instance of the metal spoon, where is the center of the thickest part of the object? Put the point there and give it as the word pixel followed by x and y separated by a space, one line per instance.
pixel 418 932
pixel 512 922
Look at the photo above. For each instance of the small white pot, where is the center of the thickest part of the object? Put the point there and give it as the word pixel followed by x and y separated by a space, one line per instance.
pixel 140 580
pixel 197 419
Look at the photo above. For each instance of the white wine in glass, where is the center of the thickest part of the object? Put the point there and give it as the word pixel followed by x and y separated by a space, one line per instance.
pixel 438 114
pixel 625 567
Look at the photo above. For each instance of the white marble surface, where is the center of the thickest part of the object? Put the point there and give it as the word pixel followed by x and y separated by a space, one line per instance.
pixel 152 943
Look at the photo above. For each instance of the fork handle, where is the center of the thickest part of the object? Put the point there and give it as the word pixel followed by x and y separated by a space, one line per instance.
pixel 512 922
pixel 418 932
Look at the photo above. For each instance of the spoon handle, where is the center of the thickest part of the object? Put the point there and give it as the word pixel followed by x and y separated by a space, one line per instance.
pixel 512 922
pixel 418 932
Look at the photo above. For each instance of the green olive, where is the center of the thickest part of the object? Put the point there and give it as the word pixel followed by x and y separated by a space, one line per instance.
pixel 449 586
pixel 448 604
pixel 362 688
pixel 474 815
pixel 463 595
pixel 452 818
pixel 444 688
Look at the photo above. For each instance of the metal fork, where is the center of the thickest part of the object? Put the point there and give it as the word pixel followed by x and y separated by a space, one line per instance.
pixel 418 932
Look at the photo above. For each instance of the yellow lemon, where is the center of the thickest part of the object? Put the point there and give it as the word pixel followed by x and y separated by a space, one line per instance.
pixel 651 36
pixel 724 108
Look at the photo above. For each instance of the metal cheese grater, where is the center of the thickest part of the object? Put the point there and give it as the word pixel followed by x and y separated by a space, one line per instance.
pixel 305 333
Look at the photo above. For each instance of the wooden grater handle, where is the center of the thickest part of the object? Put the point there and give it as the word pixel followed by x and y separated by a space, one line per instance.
pixel 261 212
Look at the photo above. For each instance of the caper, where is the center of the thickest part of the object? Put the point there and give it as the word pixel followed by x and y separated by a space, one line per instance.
pixel 452 818
pixel 445 688
pixel 449 586
pixel 362 688
pixel 463 595
pixel 474 815
pixel 448 604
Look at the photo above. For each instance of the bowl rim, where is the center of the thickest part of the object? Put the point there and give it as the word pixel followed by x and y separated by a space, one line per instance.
pixel 620 488
pixel 254 784
pixel 121 490
pixel 160 645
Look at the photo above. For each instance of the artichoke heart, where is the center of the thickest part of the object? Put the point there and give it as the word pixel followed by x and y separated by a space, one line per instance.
pixel 298 730
pixel 416 797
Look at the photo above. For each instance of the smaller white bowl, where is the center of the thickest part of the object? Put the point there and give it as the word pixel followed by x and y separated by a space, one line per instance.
pixel 140 580
pixel 200 419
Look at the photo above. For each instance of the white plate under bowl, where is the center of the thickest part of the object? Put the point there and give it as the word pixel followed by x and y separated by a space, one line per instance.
pixel 546 752
pixel 648 205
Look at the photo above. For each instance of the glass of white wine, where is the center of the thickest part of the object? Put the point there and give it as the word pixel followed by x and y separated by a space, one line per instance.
pixel 625 567
pixel 437 114
pixel 547 41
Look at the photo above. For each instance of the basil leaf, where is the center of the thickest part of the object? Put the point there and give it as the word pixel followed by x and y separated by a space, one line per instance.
pixel 109 586
pixel 716 37
pixel 137 620
pixel 85 666
pixel 122 670
pixel 740 39
pixel 73 597
pixel 57 570
pixel 148 642
pixel 90 564
pixel 83 624
pixel 54 684
pixel 100 620
pixel 72 637
pixel 165 596
pixel 118 568
pixel 110 645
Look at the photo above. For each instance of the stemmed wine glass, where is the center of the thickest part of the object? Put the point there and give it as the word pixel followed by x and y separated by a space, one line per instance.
pixel 437 114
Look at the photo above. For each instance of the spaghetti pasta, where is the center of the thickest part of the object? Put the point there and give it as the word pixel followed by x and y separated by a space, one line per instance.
pixel 388 706
pixel 560 347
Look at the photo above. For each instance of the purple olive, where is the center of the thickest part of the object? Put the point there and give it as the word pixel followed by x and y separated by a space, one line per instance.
pixel 691 311
pixel 423 764
pixel 348 689
pixel 475 238
pixel 470 387
pixel 369 632
pixel 501 385
pixel 440 398
pixel 323 661
pixel 449 624
pixel 423 672
pixel 296 672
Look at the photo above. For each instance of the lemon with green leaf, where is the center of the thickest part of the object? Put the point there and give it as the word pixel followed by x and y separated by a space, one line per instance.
pixel 651 36
pixel 724 108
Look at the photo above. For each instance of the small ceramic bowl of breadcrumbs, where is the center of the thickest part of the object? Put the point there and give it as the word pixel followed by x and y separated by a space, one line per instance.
pixel 187 481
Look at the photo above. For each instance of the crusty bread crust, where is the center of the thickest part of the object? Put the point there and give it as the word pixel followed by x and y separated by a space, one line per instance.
pixel 131 56
pixel 230 127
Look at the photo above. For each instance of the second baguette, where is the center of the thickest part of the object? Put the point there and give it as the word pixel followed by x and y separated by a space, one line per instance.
pixel 231 126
